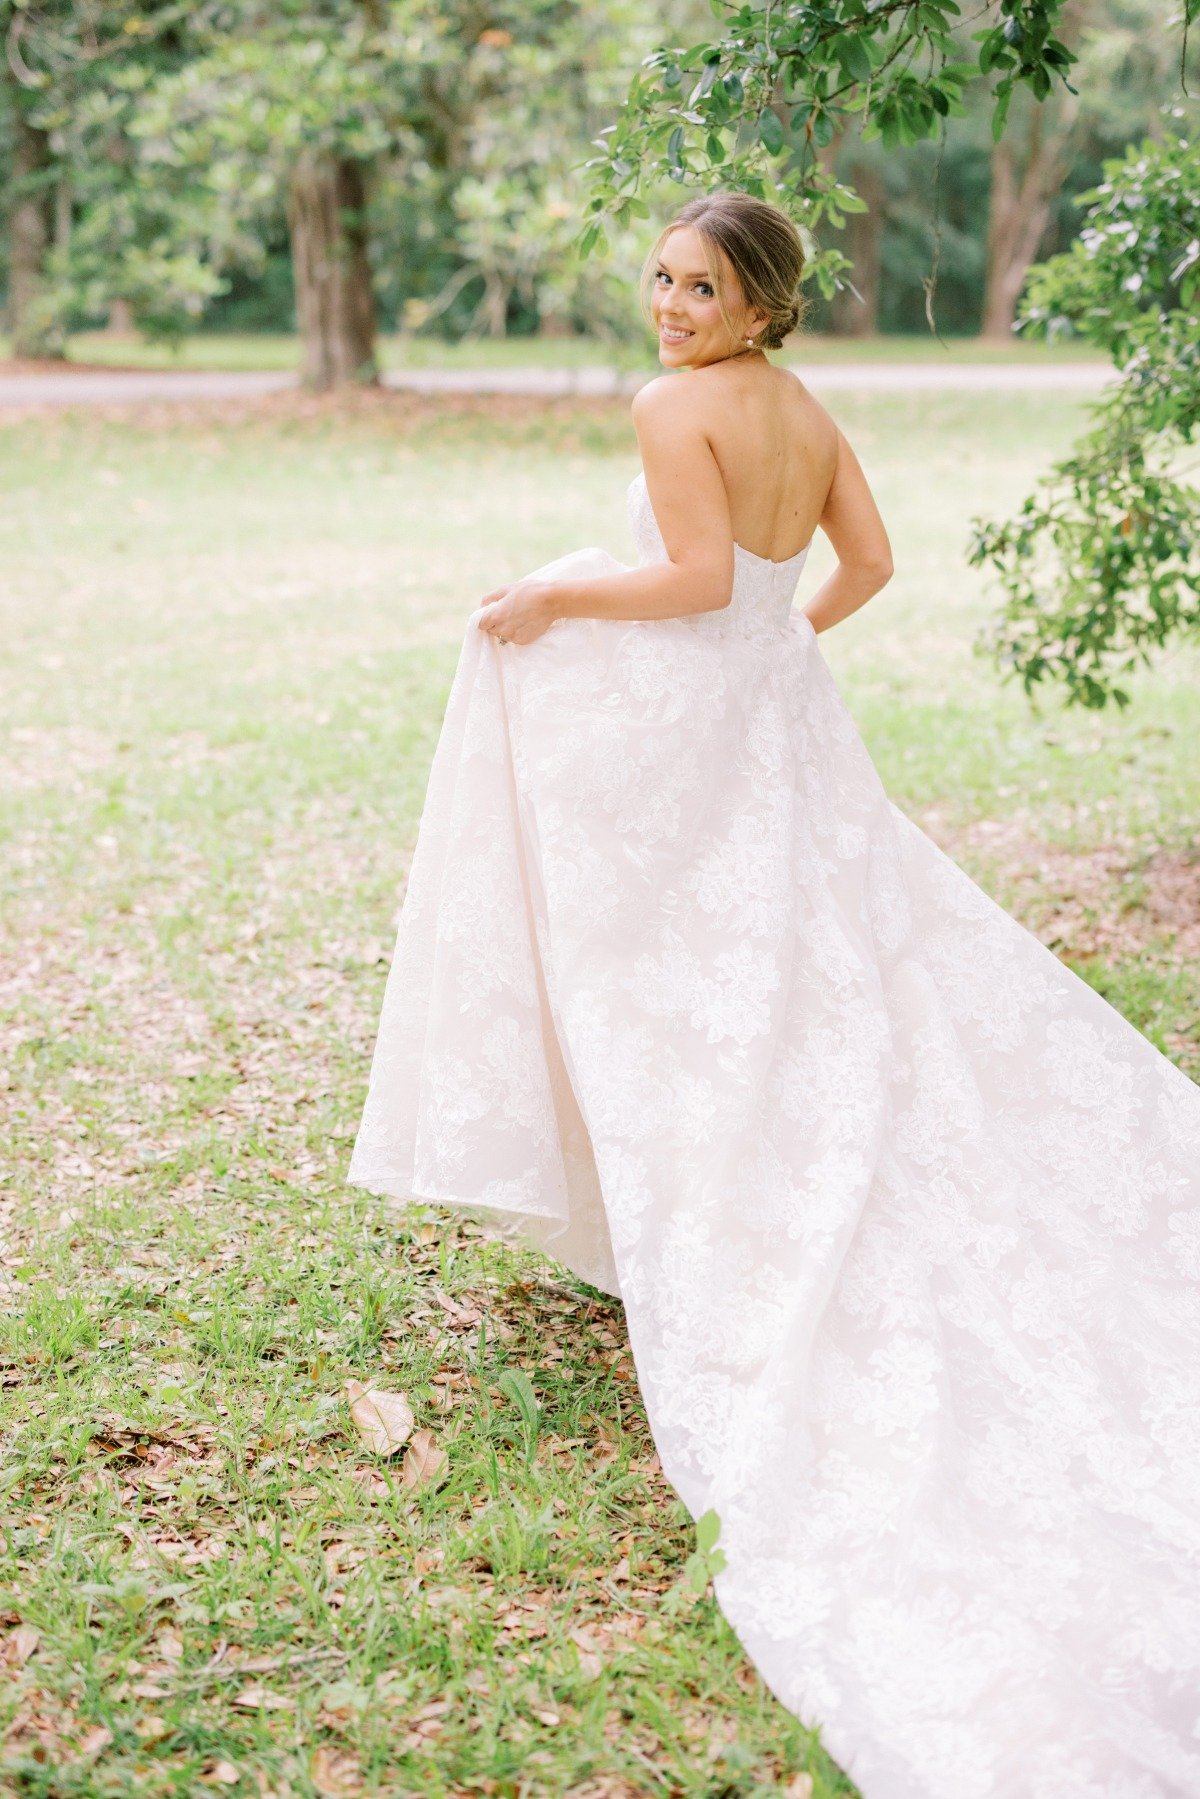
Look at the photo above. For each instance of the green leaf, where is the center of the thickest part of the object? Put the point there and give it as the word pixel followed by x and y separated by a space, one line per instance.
pixel 770 133
pixel 708 1529
pixel 852 53
pixel 516 1385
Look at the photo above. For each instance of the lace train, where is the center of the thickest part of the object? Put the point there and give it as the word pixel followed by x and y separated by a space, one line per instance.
pixel 902 1214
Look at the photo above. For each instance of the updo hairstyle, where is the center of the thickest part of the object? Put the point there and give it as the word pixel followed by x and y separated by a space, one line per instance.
pixel 762 247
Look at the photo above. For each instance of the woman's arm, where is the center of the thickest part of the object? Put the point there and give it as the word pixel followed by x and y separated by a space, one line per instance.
pixel 689 501
pixel 853 526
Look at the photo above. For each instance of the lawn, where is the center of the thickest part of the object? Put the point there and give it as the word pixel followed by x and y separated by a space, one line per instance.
pixel 228 633
pixel 266 350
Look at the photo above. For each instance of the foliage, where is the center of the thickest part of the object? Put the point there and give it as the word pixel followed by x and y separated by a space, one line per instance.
pixel 1101 565
pixel 178 145
pixel 755 107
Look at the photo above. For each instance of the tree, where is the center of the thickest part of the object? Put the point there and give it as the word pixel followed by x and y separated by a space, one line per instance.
pixel 1126 70
pixel 1025 184
pixel 754 107
pixel 76 77
pixel 55 52
pixel 1101 565
pixel 318 104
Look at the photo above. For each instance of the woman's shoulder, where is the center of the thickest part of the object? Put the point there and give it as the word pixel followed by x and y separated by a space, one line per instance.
pixel 720 405
pixel 664 396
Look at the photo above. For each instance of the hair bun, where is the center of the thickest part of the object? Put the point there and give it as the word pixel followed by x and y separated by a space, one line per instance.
pixel 783 325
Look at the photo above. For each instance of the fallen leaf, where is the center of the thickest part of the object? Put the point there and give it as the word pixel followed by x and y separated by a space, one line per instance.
pixel 96 1739
pixel 384 1420
pixel 20 1644
pixel 433 1708
pixel 223 1774
pixel 252 1699
pixel 425 1462
pixel 799 1787
pixel 591 1662
pixel 335 1774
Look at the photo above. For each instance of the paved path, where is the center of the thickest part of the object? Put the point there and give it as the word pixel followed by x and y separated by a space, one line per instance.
pixel 128 387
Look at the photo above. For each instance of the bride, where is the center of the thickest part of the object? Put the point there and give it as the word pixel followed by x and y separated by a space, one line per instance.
pixel 903 1216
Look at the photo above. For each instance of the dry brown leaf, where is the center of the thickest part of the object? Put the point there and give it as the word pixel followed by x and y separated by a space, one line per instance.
pixel 96 1739
pixel 433 1708
pixel 384 1421
pixel 20 1644
pixel 799 1787
pixel 591 1662
pixel 222 1773
pixel 335 1774
pixel 252 1699
pixel 425 1462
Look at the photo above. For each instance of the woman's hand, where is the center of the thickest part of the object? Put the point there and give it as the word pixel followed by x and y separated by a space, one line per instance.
pixel 520 613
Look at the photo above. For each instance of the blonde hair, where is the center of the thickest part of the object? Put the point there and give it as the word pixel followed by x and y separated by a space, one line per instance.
pixel 761 246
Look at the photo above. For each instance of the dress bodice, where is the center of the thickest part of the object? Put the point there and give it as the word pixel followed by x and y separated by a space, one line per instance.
pixel 762 589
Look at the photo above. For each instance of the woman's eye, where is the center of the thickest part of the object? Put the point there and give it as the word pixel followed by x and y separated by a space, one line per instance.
pixel 662 275
pixel 704 290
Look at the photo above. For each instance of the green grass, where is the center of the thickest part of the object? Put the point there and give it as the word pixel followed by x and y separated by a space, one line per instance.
pixel 228 634
pixel 246 350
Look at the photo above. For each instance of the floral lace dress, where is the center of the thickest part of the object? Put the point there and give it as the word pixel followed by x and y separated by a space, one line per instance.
pixel 903 1216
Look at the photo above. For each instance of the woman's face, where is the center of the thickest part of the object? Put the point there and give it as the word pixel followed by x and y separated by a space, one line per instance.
pixel 691 331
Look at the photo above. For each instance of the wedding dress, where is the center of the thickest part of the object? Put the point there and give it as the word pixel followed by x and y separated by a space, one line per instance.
pixel 903 1216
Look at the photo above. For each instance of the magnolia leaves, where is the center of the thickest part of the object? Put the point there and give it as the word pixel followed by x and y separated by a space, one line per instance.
pixel 384 1422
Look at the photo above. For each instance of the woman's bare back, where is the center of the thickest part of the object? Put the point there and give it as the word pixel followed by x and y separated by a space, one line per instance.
pixel 776 448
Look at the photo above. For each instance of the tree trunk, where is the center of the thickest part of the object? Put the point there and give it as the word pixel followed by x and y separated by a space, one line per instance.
pixel 1018 213
pixel 33 334
pixel 554 323
pixel 850 314
pixel 495 304
pixel 335 302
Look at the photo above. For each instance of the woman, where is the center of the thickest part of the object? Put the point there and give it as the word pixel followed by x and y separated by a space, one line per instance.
pixel 902 1214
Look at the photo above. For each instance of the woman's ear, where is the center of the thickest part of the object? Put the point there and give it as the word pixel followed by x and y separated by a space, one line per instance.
pixel 753 326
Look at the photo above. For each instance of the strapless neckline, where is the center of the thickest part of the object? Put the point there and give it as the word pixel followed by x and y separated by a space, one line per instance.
pixel 639 480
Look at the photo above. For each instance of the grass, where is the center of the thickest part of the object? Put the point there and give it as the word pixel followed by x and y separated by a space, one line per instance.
pixel 263 350
pixel 228 636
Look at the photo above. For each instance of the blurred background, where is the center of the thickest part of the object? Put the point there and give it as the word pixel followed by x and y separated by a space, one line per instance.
pixel 174 171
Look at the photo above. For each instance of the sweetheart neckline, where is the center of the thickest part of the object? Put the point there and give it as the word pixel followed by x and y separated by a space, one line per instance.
pixel 753 554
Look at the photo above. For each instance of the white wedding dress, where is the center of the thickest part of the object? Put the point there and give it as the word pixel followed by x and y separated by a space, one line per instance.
pixel 903 1216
